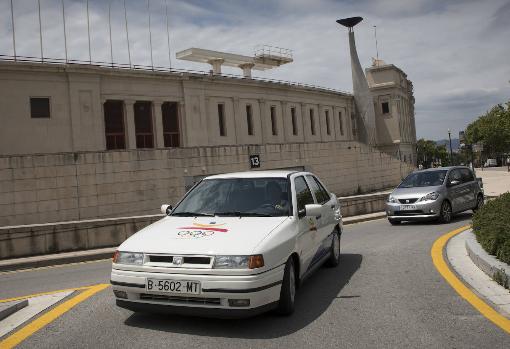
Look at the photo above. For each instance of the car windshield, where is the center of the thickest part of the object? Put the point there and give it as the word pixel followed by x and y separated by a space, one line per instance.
pixel 424 179
pixel 255 197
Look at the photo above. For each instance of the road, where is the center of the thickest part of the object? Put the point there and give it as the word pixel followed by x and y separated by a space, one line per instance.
pixel 386 293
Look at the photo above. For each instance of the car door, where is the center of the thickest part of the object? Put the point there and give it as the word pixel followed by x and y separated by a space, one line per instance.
pixel 307 226
pixel 325 220
pixel 455 189
pixel 469 187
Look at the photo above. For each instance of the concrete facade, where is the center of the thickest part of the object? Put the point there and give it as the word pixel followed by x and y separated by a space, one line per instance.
pixel 58 168
pixel 396 127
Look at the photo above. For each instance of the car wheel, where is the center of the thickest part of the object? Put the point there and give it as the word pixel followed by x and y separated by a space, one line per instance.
pixel 288 290
pixel 334 258
pixel 446 212
pixel 479 203
pixel 394 222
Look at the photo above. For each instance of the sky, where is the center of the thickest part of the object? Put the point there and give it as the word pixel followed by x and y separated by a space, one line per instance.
pixel 456 52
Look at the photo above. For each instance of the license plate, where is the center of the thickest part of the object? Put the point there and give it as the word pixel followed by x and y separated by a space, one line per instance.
pixel 172 286
pixel 407 207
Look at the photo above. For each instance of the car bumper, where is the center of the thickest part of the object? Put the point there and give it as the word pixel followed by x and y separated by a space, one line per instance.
pixel 424 211
pixel 215 299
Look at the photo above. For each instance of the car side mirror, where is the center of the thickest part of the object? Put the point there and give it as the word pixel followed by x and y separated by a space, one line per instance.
pixel 454 182
pixel 166 209
pixel 333 196
pixel 313 210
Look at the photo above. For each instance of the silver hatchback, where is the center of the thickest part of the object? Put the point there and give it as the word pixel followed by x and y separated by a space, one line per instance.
pixel 436 193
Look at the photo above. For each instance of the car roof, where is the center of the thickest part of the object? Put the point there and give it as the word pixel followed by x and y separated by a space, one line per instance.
pixel 254 174
pixel 442 168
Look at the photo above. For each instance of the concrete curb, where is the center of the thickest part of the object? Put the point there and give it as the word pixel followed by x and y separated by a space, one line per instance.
pixel 490 265
pixel 10 308
pixel 364 218
pixel 56 259
pixel 104 253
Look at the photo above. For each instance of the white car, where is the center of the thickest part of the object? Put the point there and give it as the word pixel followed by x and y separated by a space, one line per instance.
pixel 236 245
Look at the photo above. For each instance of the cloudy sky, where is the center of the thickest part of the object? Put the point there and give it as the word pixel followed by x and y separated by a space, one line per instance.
pixel 456 52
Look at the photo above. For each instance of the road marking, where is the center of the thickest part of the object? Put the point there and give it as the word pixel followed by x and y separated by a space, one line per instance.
pixel 441 265
pixel 52 266
pixel 44 293
pixel 25 332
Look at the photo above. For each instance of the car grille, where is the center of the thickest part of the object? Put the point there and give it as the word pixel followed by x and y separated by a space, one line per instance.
pixel 411 213
pixel 180 299
pixel 187 261
pixel 407 201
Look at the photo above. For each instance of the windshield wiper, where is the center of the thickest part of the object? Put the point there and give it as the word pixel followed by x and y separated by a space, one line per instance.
pixel 192 214
pixel 241 214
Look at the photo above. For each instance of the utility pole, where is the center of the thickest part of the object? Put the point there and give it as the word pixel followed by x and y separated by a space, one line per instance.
pixel 451 151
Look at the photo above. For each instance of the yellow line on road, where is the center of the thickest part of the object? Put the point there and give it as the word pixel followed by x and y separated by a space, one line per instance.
pixel 25 332
pixel 441 265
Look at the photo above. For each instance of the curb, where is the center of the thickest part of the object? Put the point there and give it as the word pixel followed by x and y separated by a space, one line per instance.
pixel 490 265
pixel 105 253
pixel 364 218
pixel 10 308
pixel 56 259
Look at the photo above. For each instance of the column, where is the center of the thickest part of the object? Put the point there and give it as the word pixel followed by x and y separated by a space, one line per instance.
pixel 262 109
pixel 237 119
pixel 130 123
pixel 246 67
pixel 159 140
pixel 216 65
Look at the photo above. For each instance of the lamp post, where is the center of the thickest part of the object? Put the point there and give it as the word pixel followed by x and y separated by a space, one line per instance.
pixel 451 151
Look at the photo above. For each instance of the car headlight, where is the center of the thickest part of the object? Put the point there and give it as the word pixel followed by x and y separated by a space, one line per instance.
pixel 135 258
pixel 430 196
pixel 238 262
pixel 392 199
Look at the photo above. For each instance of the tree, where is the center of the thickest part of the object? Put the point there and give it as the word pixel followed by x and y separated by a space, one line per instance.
pixel 492 130
pixel 429 153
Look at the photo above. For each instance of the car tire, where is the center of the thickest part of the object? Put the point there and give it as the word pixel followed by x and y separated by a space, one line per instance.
pixel 334 258
pixel 288 290
pixel 394 222
pixel 445 215
pixel 479 202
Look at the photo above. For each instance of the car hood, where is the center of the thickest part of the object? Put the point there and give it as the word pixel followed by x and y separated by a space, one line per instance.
pixel 203 235
pixel 416 192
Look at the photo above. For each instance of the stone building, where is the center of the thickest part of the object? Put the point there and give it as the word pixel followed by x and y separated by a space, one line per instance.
pixel 82 142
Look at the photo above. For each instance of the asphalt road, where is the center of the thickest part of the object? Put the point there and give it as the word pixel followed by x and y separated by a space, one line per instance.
pixel 386 293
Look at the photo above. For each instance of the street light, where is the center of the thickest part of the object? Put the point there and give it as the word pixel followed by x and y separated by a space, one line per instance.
pixel 451 152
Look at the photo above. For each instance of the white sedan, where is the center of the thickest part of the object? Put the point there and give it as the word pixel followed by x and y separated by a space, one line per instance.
pixel 236 245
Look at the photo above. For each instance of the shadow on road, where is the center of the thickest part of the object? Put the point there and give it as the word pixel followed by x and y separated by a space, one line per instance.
pixel 456 218
pixel 313 298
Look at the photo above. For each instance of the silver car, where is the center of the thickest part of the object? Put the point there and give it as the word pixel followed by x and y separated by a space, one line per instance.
pixel 436 193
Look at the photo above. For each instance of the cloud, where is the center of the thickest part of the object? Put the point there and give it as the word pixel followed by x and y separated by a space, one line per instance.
pixel 455 52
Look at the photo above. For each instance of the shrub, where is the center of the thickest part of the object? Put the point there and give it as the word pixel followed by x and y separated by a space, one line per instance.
pixel 491 225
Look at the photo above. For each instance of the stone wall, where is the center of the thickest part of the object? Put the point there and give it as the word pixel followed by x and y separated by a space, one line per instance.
pixel 87 185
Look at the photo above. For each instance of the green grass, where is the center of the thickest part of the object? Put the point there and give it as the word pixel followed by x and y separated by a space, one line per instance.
pixel 491 225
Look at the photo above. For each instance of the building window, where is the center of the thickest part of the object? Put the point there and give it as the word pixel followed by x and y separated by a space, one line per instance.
pixel 39 107
pixel 249 119
pixel 341 122
pixel 385 107
pixel 354 125
pixel 274 128
pixel 312 122
pixel 294 121
pixel 171 133
pixel 143 125
pixel 221 119
pixel 114 125
pixel 328 127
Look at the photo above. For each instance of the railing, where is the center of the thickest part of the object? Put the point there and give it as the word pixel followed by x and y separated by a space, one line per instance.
pixel 47 60
pixel 272 51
